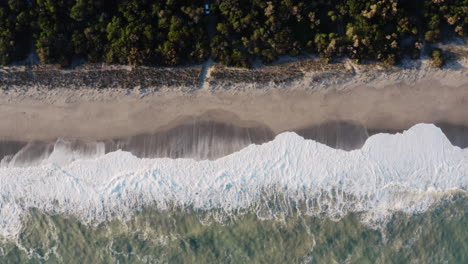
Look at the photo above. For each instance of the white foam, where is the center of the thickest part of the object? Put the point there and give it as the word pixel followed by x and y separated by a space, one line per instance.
pixel 406 172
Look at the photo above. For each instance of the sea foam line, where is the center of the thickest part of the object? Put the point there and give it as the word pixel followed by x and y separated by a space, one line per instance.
pixel 403 172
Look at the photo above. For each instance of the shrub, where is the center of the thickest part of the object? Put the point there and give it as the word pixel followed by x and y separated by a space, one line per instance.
pixel 390 60
pixel 432 35
pixel 437 58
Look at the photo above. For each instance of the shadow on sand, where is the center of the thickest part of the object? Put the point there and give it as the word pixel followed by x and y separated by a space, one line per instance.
pixel 201 139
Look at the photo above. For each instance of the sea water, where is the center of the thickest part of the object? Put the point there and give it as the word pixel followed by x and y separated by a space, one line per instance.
pixel 399 199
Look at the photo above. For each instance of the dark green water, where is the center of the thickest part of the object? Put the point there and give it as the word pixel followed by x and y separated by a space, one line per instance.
pixel 438 235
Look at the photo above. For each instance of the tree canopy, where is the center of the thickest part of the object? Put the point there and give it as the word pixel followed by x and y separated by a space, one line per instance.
pixel 169 32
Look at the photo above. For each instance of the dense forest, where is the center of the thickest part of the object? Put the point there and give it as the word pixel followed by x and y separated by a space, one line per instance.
pixel 233 32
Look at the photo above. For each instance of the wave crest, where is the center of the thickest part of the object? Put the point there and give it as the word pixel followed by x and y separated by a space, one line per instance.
pixel 403 172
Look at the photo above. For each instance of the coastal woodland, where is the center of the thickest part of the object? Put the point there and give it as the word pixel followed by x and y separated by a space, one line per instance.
pixel 233 32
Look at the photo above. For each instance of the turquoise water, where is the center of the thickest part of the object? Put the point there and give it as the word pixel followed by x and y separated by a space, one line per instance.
pixel 438 235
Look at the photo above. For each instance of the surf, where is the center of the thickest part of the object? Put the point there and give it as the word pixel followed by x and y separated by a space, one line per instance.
pixel 407 172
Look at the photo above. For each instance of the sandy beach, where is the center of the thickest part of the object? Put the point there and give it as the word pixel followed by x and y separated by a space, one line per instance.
pixel 382 103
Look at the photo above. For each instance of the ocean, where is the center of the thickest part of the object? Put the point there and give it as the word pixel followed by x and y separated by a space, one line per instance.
pixel 397 198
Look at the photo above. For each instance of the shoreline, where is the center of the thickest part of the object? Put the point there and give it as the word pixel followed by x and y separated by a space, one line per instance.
pixel 374 97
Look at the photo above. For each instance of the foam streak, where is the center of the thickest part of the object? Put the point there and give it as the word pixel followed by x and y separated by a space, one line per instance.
pixel 403 172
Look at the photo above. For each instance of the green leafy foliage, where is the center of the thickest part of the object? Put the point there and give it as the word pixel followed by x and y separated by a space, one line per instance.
pixel 126 32
pixel 437 58
pixel 235 33
pixel 449 16
pixel 374 28
pixel 90 18
pixel 261 29
pixel 53 30
pixel 157 33
pixel 14 27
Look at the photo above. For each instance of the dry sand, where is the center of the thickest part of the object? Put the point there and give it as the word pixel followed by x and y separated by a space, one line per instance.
pixel 383 100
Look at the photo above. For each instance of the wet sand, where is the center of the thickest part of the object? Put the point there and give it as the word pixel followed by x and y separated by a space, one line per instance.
pixel 203 140
pixel 208 123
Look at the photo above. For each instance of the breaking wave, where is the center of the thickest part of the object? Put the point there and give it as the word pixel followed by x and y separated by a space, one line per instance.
pixel 406 172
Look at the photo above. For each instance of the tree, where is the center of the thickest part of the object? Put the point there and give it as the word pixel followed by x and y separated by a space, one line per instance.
pixel 14 30
pixel 53 31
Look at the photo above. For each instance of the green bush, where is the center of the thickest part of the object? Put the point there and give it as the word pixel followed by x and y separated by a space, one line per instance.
pixel 432 35
pixel 437 58
pixel 168 32
pixel 15 23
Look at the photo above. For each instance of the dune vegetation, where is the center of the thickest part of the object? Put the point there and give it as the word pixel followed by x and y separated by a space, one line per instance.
pixel 233 32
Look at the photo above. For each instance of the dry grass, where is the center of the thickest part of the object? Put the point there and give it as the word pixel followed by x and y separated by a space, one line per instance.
pixel 278 73
pixel 93 76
